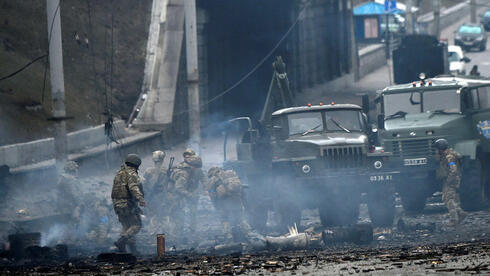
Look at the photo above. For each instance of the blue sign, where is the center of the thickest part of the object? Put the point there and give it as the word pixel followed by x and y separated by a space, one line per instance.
pixel 484 128
pixel 390 5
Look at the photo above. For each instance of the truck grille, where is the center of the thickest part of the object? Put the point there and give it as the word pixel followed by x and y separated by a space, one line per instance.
pixel 343 157
pixel 413 148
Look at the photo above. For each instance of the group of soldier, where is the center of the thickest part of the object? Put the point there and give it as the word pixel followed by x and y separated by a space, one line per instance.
pixel 173 196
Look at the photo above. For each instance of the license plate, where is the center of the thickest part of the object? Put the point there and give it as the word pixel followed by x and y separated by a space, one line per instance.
pixel 376 178
pixel 415 162
pixel 468 43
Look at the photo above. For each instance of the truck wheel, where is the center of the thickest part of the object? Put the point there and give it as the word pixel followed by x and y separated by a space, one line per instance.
pixel 340 210
pixel 413 198
pixel 472 192
pixel 289 213
pixel 381 208
pixel 257 217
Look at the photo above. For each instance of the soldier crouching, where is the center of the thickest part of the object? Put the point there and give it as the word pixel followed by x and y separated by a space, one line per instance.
pixel 225 190
pixel 127 193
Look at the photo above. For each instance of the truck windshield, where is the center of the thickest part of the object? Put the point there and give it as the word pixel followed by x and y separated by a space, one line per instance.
pixel 306 122
pixel 447 100
pixel 343 120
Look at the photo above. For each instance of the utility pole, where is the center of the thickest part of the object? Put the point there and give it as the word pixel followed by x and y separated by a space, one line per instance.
pixel 436 4
pixel 57 80
pixel 473 11
pixel 409 17
pixel 192 74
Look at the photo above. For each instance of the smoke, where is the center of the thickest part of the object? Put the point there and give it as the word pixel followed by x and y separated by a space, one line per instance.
pixel 54 234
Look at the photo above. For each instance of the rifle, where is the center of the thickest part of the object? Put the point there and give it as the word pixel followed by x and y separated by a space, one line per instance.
pixel 169 171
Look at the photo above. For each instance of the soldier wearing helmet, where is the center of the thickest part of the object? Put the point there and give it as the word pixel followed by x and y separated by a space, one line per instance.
pixel 154 184
pixel 225 189
pixel 184 191
pixel 127 194
pixel 66 189
pixel 449 172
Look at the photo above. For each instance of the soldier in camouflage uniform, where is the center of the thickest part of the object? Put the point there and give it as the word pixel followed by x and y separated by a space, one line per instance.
pixel 154 186
pixel 225 190
pixel 184 191
pixel 127 194
pixel 449 172
pixel 66 188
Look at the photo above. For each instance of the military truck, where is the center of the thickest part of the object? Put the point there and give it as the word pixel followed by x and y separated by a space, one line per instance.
pixel 313 156
pixel 414 115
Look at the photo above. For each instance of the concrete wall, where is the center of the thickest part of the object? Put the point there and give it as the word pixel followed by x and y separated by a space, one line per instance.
pixel 23 154
pixel 27 153
pixel 371 58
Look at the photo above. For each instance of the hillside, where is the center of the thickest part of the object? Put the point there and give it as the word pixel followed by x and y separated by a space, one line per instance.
pixel 23 37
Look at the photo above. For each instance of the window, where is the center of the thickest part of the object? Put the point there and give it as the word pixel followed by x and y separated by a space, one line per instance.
pixel 470 29
pixel 443 100
pixel 300 123
pixel 453 56
pixel 339 120
pixel 481 97
pixel 394 103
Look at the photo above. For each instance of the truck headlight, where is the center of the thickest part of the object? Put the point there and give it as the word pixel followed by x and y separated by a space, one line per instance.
pixel 306 169
pixel 378 165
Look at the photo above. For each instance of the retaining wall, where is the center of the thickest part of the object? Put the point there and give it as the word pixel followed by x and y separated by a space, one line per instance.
pixel 25 154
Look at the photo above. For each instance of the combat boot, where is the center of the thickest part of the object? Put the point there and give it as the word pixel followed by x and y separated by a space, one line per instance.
pixel 121 244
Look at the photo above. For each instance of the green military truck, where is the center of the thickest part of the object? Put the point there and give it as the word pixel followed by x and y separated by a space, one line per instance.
pixel 313 156
pixel 413 115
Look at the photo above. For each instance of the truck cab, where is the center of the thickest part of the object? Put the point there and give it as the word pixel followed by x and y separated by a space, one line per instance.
pixel 414 115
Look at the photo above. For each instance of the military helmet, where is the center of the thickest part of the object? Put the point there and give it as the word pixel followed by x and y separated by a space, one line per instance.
pixel 213 171
pixel 133 160
pixel 71 166
pixel 189 152
pixel 441 144
pixel 158 156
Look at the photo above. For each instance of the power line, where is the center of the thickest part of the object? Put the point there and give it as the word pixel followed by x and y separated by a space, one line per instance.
pixel 23 67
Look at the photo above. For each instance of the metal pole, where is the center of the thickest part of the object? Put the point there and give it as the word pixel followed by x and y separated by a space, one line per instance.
pixel 473 11
pixel 437 18
pixel 409 17
pixel 192 74
pixel 57 80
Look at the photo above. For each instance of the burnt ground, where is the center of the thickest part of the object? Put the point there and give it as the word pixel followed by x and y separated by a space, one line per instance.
pixel 426 245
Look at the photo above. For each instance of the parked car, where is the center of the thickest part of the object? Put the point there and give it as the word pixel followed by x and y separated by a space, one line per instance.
pixel 471 35
pixel 485 20
pixel 457 60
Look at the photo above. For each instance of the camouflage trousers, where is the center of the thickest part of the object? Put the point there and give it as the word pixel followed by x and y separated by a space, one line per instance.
pixel 131 223
pixel 450 196
pixel 234 225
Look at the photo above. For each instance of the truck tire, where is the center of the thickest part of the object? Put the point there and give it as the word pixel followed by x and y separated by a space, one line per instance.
pixel 413 198
pixel 257 217
pixel 289 213
pixel 472 192
pixel 340 210
pixel 381 207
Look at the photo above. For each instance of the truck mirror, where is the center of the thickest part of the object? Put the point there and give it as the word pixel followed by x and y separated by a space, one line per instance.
pixel 466 59
pixel 365 104
pixel 381 121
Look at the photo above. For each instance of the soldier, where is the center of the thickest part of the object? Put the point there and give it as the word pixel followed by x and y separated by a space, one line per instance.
pixel 449 172
pixel 154 177
pixel 127 193
pixel 186 177
pixel 68 182
pixel 154 186
pixel 225 190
